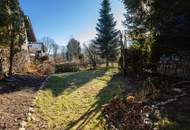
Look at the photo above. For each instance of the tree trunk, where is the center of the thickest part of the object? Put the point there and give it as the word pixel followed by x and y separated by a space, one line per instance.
pixel 1 59
pixel 11 58
pixel 125 65
pixel 107 62
pixel 94 63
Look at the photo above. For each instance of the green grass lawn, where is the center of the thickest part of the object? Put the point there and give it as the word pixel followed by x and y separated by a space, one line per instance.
pixel 73 101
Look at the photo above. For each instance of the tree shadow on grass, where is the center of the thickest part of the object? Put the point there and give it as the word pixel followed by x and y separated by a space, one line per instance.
pixel 114 88
pixel 72 81
pixel 21 83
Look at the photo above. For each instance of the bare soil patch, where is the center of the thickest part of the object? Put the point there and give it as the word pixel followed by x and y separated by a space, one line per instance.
pixel 15 99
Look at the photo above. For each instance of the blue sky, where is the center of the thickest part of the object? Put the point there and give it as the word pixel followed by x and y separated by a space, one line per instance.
pixel 63 19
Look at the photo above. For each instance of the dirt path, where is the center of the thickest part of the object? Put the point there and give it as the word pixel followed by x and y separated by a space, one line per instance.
pixel 15 99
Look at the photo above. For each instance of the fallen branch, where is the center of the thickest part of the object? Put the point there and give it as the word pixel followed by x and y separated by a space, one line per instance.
pixel 170 100
pixel 180 83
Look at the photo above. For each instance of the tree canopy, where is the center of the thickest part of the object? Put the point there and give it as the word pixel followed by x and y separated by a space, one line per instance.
pixel 164 25
pixel 12 29
pixel 12 19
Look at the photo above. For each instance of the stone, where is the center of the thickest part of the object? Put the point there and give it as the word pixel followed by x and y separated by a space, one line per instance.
pixel 33 118
pixel 22 129
pixel 31 109
pixel 29 114
pixel 28 119
pixel 33 104
pixel 23 124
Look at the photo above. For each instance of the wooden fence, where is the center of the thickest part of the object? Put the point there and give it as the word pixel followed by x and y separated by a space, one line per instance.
pixel 175 69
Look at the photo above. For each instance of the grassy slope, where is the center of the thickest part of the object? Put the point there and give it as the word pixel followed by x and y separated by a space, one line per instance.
pixel 73 101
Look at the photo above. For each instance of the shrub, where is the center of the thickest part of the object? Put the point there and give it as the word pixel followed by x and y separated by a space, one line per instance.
pixel 67 67
pixel 45 69
pixel 39 69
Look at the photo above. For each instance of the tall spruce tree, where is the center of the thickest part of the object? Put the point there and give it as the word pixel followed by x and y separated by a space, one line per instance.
pixel 106 42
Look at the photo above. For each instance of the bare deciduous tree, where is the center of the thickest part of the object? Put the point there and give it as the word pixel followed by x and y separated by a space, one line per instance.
pixel 91 54
pixel 55 48
pixel 48 42
pixel 63 52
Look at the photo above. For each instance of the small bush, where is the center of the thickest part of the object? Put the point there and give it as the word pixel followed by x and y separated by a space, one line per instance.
pixel 67 67
pixel 30 68
pixel 45 69
pixel 39 69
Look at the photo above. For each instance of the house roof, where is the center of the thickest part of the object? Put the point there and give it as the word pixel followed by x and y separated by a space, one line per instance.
pixel 29 30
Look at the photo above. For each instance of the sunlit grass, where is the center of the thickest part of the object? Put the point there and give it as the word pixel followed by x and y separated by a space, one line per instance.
pixel 75 103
